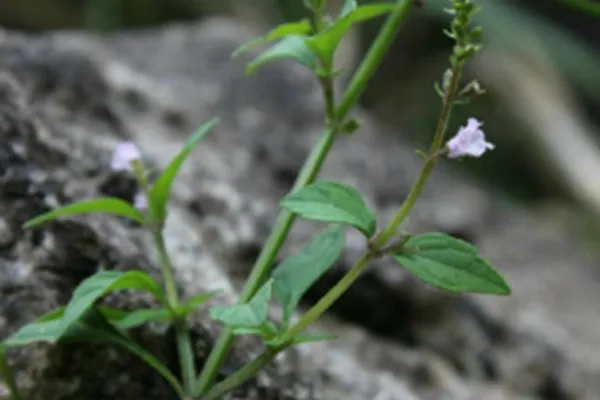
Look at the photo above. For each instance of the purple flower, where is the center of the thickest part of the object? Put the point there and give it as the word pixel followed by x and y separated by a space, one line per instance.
pixel 469 141
pixel 123 157
pixel 139 201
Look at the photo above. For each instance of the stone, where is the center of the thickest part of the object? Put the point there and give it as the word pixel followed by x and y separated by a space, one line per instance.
pixel 66 101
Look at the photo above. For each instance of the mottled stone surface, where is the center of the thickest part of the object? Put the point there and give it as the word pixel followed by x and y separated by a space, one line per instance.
pixel 67 100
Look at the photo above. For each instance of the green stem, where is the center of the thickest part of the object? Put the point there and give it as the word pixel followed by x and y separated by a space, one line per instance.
pixel 182 334
pixel 354 273
pixel 372 59
pixel 166 269
pixel 438 140
pixel 9 377
pixel 265 260
pixel 326 301
pixel 242 375
pixel 309 171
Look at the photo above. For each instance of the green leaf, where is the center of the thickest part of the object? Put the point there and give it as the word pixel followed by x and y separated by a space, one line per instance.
pixel 93 326
pixel 330 201
pixel 291 47
pixel 52 315
pixel 93 288
pixel 161 189
pixel 96 328
pixel 267 331
pixel 46 327
pixel 450 264
pixel 296 274
pixel 302 27
pixel 250 315
pixel 349 6
pixel 143 316
pixel 192 304
pixel 106 205
pixel 45 331
pixel 326 42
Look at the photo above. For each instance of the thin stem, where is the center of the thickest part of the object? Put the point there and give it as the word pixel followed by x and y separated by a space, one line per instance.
pixel 326 301
pixel 166 269
pixel 9 377
pixel 265 259
pixel 309 171
pixel 438 139
pixel 186 355
pixel 372 59
pixel 242 375
pixel 182 334
pixel 354 273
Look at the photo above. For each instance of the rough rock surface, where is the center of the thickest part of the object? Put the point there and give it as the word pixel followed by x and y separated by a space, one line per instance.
pixel 66 101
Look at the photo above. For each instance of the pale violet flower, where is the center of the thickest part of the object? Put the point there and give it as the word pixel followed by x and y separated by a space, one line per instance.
pixel 469 141
pixel 123 157
pixel 140 202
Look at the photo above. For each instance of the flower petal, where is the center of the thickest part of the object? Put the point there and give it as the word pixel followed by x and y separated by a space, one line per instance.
pixel 125 154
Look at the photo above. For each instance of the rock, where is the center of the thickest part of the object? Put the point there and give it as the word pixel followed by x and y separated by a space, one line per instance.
pixel 68 99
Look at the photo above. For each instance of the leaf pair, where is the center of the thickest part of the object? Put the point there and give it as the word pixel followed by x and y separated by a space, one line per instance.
pixel 83 321
pixel 93 326
pixel 294 42
pixel 289 282
pixel 159 194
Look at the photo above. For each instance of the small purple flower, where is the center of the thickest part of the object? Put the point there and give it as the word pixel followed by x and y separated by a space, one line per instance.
pixel 139 201
pixel 123 157
pixel 469 141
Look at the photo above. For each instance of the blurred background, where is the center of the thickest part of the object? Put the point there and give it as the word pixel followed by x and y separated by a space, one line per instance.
pixel 540 64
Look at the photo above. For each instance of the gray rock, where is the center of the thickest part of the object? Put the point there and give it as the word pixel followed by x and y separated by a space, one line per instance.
pixel 68 99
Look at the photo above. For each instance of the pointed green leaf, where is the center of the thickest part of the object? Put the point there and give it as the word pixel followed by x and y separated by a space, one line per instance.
pixel 45 331
pixel 161 189
pixel 302 27
pixel 297 273
pixel 192 304
pixel 93 288
pixel 329 201
pixel 292 47
pixel 349 6
pixel 250 315
pixel 267 331
pixel 143 316
pixel 326 42
pixel 52 315
pixel 106 205
pixel 96 328
pixel 47 327
pixel 450 264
